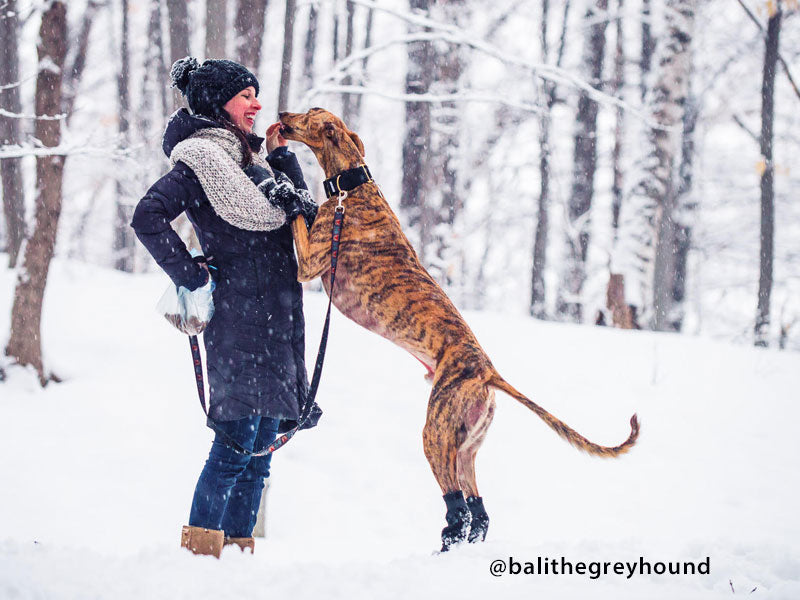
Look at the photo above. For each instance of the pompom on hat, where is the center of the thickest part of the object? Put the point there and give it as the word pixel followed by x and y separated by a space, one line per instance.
pixel 208 86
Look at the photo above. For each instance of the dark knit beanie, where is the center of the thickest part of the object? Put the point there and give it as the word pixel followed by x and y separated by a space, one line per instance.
pixel 209 86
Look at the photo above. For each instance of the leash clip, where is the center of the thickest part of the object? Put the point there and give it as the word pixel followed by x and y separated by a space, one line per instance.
pixel 340 206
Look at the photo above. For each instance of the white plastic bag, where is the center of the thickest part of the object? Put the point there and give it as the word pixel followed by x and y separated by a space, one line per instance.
pixel 189 311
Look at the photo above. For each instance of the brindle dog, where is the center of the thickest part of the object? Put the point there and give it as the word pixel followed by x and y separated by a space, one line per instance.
pixel 382 286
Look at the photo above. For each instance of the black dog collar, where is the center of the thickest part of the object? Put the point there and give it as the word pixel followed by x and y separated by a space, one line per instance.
pixel 347 180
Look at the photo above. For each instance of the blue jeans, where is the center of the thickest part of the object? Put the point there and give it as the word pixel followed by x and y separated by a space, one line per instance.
pixel 228 492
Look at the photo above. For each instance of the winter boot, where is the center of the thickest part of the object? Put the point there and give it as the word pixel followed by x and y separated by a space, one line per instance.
pixel 200 540
pixel 242 542
pixel 480 520
pixel 458 519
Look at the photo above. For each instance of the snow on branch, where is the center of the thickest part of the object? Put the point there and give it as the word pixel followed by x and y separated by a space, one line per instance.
pixel 110 150
pixel 11 115
pixel 463 96
pixel 9 86
pixel 455 35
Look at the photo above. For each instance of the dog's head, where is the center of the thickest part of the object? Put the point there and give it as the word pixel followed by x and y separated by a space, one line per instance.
pixel 326 134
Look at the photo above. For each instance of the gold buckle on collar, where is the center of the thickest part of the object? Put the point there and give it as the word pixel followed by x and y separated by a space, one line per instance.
pixel 367 173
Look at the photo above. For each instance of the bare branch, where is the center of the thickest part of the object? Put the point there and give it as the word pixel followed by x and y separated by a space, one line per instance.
pixel 747 130
pixel 467 96
pixel 454 35
pixel 11 115
pixel 785 66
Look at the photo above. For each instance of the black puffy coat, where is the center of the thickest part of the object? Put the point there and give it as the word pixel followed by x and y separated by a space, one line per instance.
pixel 255 341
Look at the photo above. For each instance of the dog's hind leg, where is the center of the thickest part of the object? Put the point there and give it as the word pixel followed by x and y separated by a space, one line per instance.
pixel 479 416
pixel 441 438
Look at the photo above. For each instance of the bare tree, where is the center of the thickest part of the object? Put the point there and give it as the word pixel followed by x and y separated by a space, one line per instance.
pixel 653 200
pixel 124 243
pixel 10 168
pixel 648 47
pixel 154 81
pixel 686 207
pixel 216 28
pixel 569 301
pixel 445 197
pixel 286 61
pixel 538 297
pixel 24 344
pixel 310 46
pixel 364 63
pixel 249 30
pixel 617 89
pixel 178 39
pixel 767 253
pixel 348 102
pixel 77 58
pixel 416 141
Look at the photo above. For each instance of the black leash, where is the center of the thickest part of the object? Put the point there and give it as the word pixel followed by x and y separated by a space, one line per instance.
pixel 305 411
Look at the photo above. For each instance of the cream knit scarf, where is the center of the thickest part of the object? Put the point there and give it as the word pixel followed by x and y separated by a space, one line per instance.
pixel 215 156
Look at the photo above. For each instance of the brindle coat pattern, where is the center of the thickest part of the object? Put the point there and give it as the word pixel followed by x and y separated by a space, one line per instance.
pixel 382 286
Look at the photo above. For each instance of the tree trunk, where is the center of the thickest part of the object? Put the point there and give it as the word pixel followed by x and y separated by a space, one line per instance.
pixel 216 28
pixel 286 62
pixel 124 242
pixel 364 63
pixel 569 302
pixel 249 27
pixel 648 47
pixel 347 99
pixel 10 168
pixel 686 206
pixel 538 306
pixel 335 37
pixel 178 39
pixel 445 197
pixel 156 57
pixel 766 255
pixel 74 74
pixel 653 199
pixel 618 87
pixel 416 141
pixel 24 344
pixel 310 46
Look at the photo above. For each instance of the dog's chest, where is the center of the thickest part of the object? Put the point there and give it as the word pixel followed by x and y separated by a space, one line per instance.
pixel 347 298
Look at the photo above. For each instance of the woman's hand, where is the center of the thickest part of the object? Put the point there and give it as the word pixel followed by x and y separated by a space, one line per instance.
pixel 274 137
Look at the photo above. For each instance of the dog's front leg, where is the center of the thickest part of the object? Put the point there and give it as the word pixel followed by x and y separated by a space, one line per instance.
pixel 312 255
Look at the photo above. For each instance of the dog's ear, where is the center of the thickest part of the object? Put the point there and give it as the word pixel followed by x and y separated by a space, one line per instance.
pixel 357 141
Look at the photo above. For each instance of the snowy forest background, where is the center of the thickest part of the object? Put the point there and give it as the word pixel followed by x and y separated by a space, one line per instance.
pixel 629 162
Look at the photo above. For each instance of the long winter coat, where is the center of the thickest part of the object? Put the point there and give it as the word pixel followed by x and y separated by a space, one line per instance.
pixel 255 341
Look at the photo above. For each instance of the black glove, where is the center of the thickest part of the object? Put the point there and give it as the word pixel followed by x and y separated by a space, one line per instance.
pixel 285 197
pixel 200 278
pixel 308 209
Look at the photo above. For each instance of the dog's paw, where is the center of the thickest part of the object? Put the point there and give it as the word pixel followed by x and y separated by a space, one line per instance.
pixel 480 520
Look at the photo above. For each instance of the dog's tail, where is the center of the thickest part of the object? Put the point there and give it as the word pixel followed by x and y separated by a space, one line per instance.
pixel 564 430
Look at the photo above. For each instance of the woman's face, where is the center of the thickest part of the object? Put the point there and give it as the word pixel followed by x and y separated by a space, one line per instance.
pixel 242 109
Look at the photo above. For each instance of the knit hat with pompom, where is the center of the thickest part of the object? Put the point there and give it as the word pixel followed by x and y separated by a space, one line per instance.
pixel 209 86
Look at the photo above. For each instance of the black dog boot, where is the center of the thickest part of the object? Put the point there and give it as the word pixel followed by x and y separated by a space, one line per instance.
pixel 458 519
pixel 480 520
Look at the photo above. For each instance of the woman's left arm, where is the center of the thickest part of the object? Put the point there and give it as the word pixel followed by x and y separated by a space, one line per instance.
pixel 283 160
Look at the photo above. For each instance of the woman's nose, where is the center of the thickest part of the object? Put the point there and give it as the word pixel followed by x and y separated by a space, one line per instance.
pixel 256 104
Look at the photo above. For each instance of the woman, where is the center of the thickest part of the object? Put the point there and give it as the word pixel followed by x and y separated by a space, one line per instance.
pixel 240 206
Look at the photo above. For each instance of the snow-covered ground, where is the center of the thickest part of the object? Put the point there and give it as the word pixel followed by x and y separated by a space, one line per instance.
pixel 97 473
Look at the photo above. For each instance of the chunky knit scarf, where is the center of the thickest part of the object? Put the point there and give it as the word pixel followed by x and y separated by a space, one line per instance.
pixel 215 156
